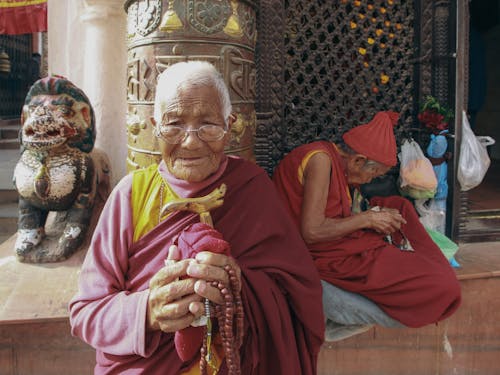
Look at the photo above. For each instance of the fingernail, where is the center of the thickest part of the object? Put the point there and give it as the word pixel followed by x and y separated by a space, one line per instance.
pixel 200 286
pixel 193 269
pixel 201 256
pixel 194 308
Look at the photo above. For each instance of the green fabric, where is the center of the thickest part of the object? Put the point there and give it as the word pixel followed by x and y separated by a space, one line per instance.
pixel 415 193
pixel 447 246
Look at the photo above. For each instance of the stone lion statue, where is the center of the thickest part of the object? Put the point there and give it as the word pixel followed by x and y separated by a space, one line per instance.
pixel 57 170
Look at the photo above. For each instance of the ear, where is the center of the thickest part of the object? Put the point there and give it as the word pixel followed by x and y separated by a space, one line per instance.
pixel 153 121
pixel 86 114
pixel 359 160
pixel 230 120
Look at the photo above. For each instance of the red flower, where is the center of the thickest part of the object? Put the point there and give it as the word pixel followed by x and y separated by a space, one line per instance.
pixel 433 120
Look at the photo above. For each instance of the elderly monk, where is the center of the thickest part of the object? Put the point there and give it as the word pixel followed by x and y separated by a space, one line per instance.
pixel 377 266
pixel 138 295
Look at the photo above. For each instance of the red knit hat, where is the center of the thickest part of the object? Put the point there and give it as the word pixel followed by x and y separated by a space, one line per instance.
pixel 375 139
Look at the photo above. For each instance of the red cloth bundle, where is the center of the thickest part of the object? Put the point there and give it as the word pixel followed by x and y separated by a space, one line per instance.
pixel 192 240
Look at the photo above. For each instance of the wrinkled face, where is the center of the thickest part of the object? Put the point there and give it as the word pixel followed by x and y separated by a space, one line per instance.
pixel 50 121
pixel 359 172
pixel 193 159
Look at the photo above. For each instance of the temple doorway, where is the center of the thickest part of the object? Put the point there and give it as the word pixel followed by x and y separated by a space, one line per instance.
pixel 484 111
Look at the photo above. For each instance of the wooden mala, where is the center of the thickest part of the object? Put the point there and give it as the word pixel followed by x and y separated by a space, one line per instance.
pixel 229 317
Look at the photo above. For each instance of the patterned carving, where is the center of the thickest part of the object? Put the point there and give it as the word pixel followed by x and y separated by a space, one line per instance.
pixel 139 87
pixel 425 48
pixel 133 79
pixel 143 17
pixel 131 19
pixel 441 51
pixel 239 72
pixel 208 16
pixel 270 130
pixel 163 62
pixel 244 122
pixel 248 21
pixel 338 75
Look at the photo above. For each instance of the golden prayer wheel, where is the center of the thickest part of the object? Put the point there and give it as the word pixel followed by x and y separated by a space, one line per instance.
pixel 161 33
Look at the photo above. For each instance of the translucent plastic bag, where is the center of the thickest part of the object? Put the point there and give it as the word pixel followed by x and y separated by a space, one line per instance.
pixel 432 213
pixel 417 177
pixel 473 162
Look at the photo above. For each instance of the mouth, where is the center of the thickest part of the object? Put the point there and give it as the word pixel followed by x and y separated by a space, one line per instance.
pixel 190 160
pixel 30 142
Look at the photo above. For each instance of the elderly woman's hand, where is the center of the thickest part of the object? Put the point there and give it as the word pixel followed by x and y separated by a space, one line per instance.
pixel 212 267
pixel 172 301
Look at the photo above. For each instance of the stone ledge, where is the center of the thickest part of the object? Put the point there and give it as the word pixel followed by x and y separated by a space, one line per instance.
pixel 466 343
pixel 36 292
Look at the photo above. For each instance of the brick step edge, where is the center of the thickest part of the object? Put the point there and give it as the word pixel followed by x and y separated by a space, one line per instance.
pixel 9 196
pixel 9 144
pixel 9 132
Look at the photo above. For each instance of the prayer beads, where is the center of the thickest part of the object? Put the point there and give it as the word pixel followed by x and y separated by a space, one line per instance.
pixel 230 324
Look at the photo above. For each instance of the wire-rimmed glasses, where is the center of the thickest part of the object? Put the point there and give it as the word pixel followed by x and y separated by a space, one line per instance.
pixel 174 134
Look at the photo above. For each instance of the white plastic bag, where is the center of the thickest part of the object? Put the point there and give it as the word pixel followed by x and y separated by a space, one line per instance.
pixel 417 177
pixel 473 162
pixel 432 214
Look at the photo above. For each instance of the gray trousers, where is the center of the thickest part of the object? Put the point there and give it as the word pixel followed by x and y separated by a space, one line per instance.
pixel 348 313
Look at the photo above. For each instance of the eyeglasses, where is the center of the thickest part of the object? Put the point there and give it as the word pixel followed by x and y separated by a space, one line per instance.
pixel 177 134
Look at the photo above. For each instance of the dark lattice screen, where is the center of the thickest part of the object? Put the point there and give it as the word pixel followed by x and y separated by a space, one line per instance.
pixel 344 61
pixel 14 87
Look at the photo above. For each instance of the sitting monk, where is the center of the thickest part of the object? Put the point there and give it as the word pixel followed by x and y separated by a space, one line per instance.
pixel 367 276
pixel 149 271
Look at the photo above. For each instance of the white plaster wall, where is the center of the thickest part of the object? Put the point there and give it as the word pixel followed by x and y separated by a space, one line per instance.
pixel 65 39
pixel 87 45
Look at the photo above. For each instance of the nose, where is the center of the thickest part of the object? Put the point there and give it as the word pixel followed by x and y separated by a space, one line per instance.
pixel 41 111
pixel 191 139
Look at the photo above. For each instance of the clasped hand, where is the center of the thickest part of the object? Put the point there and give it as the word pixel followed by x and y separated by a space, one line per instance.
pixel 385 220
pixel 177 291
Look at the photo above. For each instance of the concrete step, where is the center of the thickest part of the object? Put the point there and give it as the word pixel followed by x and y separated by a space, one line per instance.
pixel 12 121
pixel 9 144
pixel 10 132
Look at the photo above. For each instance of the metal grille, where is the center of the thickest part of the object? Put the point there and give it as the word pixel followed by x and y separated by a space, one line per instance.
pixel 344 63
pixel 13 88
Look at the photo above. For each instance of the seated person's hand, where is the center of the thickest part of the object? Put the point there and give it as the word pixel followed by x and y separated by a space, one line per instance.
pixel 213 267
pixel 385 220
pixel 172 301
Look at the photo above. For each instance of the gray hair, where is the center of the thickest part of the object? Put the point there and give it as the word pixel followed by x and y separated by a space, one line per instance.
pixel 189 74
pixel 369 162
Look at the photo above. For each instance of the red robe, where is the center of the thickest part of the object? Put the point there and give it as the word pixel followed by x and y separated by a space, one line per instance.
pixel 281 290
pixel 416 288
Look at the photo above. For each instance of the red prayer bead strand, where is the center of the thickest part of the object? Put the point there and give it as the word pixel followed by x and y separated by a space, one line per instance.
pixel 203 353
pixel 227 314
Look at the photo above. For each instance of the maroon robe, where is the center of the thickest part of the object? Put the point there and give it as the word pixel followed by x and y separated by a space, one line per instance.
pixel 416 288
pixel 281 290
